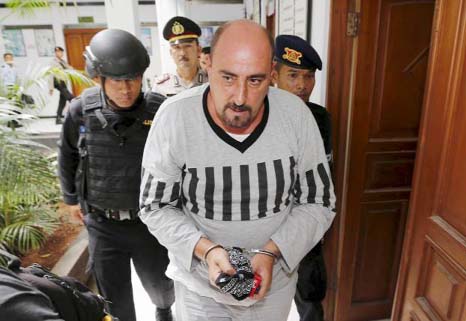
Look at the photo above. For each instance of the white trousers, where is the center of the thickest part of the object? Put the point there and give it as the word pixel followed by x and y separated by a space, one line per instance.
pixel 192 307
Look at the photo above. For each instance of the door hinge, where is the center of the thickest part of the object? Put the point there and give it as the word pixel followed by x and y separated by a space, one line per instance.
pixel 352 24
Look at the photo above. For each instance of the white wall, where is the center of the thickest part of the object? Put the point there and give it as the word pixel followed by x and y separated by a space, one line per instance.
pixel 319 40
pixel 214 12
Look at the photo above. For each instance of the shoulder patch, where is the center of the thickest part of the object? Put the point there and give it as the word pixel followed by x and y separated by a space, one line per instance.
pixel 161 79
pixel 147 122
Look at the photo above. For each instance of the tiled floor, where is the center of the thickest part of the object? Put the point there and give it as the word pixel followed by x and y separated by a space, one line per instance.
pixel 43 126
pixel 145 308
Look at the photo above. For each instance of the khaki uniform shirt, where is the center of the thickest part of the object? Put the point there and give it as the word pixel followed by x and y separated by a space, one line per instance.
pixel 172 84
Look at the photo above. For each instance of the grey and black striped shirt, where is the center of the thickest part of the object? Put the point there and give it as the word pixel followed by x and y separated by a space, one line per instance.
pixel 198 180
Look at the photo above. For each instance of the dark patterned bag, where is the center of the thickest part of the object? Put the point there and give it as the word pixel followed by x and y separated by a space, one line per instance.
pixel 72 300
pixel 244 283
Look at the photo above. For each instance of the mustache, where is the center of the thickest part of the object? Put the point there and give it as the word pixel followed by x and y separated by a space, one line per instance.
pixel 238 108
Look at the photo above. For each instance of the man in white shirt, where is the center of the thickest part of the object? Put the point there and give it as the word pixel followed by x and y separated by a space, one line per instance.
pixel 8 71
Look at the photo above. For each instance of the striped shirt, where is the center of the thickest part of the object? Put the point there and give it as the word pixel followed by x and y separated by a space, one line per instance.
pixel 198 180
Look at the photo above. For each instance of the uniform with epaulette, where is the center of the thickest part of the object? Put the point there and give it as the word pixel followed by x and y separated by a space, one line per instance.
pixel 295 52
pixel 178 30
pixel 100 155
pixel 172 84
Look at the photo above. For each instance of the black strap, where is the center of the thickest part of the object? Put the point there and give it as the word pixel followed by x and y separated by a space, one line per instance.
pixel 100 116
pixel 92 99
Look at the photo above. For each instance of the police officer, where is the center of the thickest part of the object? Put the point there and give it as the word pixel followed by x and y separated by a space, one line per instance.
pixel 295 65
pixel 182 35
pixel 204 59
pixel 100 153
pixel 60 85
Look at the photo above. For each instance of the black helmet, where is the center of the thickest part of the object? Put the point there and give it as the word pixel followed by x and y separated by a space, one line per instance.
pixel 117 54
pixel 90 69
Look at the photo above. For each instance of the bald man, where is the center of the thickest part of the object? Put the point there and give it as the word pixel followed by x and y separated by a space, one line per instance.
pixel 236 185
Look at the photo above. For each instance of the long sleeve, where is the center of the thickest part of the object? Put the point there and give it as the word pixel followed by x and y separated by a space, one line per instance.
pixel 161 197
pixel 314 206
pixel 68 154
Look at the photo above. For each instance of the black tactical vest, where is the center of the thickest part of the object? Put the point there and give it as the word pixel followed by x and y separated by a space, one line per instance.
pixel 111 145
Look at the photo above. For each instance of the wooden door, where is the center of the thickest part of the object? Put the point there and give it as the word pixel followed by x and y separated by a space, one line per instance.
pixel 390 63
pixel 432 283
pixel 76 41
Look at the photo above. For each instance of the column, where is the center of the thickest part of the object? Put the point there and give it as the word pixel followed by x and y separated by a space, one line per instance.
pixel 167 9
pixel 123 15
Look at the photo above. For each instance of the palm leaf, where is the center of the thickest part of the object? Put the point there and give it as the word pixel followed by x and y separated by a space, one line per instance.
pixel 27 228
pixel 22 236
pixel 30 7
pixel 26 174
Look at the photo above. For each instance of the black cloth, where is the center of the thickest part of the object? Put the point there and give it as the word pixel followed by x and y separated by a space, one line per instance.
pixel 112 244
pixel 68 153
pixel 113 145
pixel 308 311
pixel 312 278
pixel 324 122
pixel 65 95
pixel 20 301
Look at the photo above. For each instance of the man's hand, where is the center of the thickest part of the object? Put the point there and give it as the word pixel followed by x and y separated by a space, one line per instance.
pixel 50 92
pixel 263 265
pixel 76 212
pixel 217 259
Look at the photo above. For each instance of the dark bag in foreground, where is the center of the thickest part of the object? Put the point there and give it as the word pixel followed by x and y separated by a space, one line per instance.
pixel 72 300
pixel 312 276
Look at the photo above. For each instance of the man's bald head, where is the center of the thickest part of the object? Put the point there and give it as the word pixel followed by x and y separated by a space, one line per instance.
pixel 240 75
pixel 240 33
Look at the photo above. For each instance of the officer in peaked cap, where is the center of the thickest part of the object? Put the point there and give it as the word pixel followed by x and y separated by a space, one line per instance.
pixel 182 35
pixel 295 65
pixel 295 52
pixel 181 29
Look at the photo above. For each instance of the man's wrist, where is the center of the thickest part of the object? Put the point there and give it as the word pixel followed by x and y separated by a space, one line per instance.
pixel 264 252
pixel 202 246
pixel 273 248
pixel 206 253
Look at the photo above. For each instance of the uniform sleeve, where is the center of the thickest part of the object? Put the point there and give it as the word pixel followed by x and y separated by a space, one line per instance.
pixel 68 154
pixel 161 197
pixel 314 200
pixel 328 137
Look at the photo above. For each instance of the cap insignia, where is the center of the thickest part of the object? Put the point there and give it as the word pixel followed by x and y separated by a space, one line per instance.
pixel 292 55
pixel 177 28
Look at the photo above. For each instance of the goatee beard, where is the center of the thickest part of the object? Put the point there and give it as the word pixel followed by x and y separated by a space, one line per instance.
pixel 237 121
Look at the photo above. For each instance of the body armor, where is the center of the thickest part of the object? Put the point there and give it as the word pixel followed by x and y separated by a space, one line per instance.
pixel 111 146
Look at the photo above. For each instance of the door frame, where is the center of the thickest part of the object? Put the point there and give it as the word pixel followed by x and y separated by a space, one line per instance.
pixel 342 64
pixel 341 72
pixel 70 29
pixel 433 115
